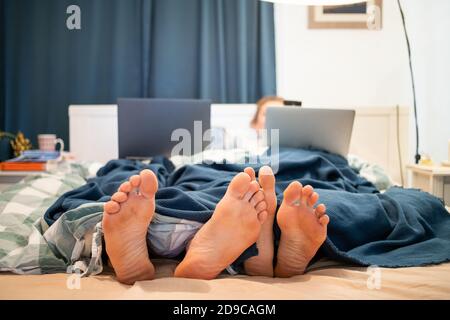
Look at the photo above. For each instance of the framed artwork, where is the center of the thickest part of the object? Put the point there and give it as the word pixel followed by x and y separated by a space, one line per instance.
pixel 363 15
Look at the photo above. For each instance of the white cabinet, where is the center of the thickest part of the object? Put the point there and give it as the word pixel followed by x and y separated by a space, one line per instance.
pixel 435 180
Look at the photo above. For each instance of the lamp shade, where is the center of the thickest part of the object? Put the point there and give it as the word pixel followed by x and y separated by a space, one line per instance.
pixel 316 2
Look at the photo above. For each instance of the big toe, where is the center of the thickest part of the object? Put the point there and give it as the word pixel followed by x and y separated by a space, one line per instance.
pixel 266 178
pixel 239 185
pixel 292 193
pixel 149 183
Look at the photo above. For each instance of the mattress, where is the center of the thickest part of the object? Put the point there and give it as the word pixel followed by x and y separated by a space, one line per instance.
pixel 321 282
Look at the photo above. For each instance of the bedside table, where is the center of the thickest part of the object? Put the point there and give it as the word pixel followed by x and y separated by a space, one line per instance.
pixel 8 178
pixel 435 180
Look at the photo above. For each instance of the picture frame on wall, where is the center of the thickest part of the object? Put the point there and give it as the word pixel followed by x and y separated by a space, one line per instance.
pixel 363 15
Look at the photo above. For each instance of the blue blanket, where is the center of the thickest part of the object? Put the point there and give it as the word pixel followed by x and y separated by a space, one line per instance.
pixel 399 228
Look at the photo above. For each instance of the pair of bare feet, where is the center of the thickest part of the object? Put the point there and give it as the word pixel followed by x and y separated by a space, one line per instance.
pixel 245 215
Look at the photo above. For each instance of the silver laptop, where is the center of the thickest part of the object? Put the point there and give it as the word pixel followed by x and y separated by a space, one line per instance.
pixel 327 129
pixel 146 125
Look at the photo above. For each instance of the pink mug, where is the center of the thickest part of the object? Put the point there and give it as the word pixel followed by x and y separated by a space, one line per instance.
pixel 48 142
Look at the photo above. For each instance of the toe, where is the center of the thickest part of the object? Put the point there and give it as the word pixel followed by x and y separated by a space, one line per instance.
pixel 292 193
pixel 149 183
pixel 324 220
pixel 312 200
pixel 111 207
pixel 266 178
pixel 239 185
pixel 307 191
pixel 261 206
pixel 254 188
pixel 251 172
pixel 119 197
pixel 257 198
pixel 320 210
pixel 262 216
pixel 135 181
pixel 125 187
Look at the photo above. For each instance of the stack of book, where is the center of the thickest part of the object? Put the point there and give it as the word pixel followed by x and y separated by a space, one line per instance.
pixel 31 160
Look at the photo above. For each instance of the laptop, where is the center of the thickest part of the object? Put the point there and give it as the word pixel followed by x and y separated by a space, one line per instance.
pixel 146 126
pixel 327 129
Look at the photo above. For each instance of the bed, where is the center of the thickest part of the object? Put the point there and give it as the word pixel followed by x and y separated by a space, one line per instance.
pixel 325 279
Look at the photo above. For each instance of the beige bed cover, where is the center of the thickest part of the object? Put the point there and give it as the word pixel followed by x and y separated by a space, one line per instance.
pixel 321 282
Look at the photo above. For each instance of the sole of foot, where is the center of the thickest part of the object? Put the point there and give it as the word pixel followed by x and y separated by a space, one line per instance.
pixel 303 229
pixel 262 264
pixel 126 218
pixel 234 226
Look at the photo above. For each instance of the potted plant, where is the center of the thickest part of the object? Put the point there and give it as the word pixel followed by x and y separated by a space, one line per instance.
pixel 18 142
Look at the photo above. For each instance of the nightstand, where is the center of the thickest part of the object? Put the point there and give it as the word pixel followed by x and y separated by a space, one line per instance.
pixel 435 180
pixel 8 178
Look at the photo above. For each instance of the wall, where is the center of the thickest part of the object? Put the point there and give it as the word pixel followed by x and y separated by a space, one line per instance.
pixel 370 68
pixel 430 32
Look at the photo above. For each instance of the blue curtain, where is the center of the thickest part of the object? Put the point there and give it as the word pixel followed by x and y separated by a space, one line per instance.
pixel 218 49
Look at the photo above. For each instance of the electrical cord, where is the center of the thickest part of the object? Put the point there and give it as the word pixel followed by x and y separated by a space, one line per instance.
pixel 417 156
pixel 399 145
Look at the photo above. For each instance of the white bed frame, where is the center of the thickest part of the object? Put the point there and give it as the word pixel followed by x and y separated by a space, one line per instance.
pixel 93 132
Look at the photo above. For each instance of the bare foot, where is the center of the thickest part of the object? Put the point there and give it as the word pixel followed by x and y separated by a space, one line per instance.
pixel 303 229
pixel 125 221
pixel 234 226
pixel 262 264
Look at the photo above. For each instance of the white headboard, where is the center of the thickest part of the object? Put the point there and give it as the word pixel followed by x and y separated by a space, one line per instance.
pixel 93 132
pixel 380 136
